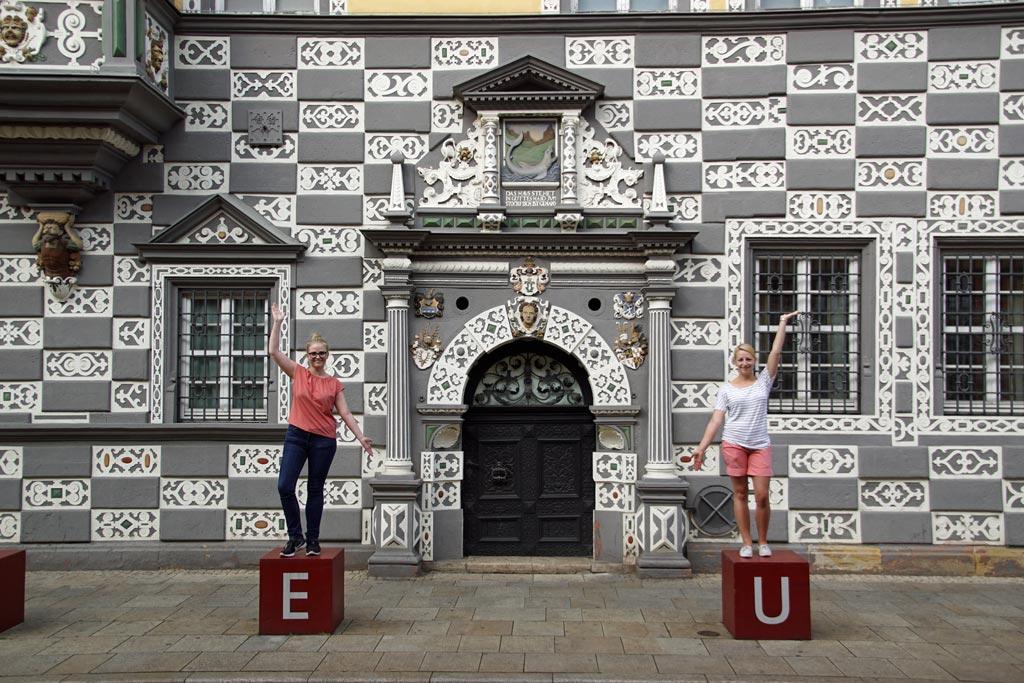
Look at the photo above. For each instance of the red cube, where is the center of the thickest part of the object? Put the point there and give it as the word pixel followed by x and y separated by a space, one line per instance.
pixel 302 594
pixel 12 596
pixel 766 598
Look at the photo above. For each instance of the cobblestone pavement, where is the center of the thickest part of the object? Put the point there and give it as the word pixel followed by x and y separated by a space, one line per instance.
pixel 202 626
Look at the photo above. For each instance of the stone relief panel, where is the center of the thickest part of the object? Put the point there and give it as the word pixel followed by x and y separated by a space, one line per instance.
pixel 615 115
pixel 767 112
pixel 21 333
pixel 414 85
pixel 206 116
pixel 256 525
pixel 744 50
pixel 133 208
pixel 10 527
pixel 666 83
pixel 129 397
pixel 464 53
pixel 605 51
pixel 56 493
pixel 446 116
pixel 962 205
pixel 126 461
pixel 822 78
pixel 202 52
pixel 86 302
pixel 820 205
pixel 880 110
pixel 12 460
pixel 891 46
pixel 155 52
pixel 967 528
pixel 331 116
pixel 893 494
pixel 978 76
pixel 330 53
pixel 817 461
pixel 966 462
pixel 20 397
pixel 824 527
pixel 125 525
pixel 263 85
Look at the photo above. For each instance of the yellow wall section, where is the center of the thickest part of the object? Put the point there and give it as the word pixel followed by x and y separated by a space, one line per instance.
pixel 443 6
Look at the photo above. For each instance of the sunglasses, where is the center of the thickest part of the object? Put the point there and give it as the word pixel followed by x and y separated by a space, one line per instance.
pixel 317 354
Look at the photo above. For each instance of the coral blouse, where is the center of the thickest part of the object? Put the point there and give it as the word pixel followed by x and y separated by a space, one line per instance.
pixel 313 402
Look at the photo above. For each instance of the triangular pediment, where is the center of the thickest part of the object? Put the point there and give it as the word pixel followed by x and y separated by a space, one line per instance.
pixel 221 228
pixel 528 83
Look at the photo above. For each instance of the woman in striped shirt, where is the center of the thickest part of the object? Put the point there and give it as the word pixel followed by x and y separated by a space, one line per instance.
pixel 743 406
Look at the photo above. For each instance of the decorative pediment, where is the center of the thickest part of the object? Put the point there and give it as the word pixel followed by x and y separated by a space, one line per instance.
pixel 528 83
pixel 222 228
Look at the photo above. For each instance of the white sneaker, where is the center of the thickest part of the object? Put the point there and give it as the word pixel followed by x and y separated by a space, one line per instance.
pixel 764 551
pixel 746 551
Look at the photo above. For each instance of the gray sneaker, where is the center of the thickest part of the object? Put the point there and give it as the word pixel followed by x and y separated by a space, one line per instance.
pixel 292 546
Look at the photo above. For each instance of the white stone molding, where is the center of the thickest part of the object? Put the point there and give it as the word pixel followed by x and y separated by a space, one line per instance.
pixel 280 274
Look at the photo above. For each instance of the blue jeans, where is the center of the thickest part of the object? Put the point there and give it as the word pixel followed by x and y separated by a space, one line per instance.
pixel 301 446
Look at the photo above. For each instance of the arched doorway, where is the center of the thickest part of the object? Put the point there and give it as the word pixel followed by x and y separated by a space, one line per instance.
pixel 528 443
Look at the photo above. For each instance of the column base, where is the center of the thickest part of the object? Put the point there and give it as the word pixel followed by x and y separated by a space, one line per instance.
pixel 665 528
pixel 394 525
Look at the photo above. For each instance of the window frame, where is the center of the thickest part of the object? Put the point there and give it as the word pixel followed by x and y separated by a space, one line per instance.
pixel 866 334
pixel 990 251
pixel 225 355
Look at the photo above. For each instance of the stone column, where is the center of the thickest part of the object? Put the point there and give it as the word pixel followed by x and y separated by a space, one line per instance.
pixel 490 214
pixel 568 130
pixel 395 490
pixel 662 524
pixel 569 214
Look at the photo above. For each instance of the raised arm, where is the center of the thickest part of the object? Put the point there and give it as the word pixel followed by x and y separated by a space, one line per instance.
pixel 775 356
pixel 714 424
pixel 274 345
pixel 346 416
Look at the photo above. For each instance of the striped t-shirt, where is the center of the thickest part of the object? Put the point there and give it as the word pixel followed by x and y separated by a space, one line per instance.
pixel 746 412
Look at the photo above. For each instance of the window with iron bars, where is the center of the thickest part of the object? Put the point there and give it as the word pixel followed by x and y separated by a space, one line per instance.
pixel 982 331
pixel 223 369
pixel 821 357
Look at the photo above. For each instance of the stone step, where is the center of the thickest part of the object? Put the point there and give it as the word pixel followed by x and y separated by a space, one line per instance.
pixel 527 565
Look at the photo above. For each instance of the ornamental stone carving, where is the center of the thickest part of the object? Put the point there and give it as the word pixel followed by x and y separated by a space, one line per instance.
pixel 58 252
pixel 630 345
pixel 604 181
pixel 22 33
pixel 460 176
pixel 426 347
pixel 529 279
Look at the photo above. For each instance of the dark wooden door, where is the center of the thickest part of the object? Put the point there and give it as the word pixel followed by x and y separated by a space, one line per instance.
pixel 529 487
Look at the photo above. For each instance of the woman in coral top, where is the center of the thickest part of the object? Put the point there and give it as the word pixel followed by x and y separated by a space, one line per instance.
pixel 311 436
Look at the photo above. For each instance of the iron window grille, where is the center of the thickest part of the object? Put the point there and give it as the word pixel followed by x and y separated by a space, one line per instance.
pixel 223 369
pixel 821 356
pixel 983 334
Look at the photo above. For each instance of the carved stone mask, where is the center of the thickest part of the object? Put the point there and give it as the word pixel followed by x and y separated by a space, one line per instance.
pixel 12 30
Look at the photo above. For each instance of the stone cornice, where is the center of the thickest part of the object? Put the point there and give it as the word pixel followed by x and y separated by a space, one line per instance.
pixel 601 24
pixel 71 133
pixel 461 242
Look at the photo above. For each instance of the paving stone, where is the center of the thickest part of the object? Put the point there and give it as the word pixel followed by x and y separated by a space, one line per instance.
pixel 480 644
pixel 538 628
pixel 480 628
pixel 630 629
pixel 147 644
pixel 667 646
pixel 528 644
pixel 633 665
pixel 746 665
pixel 263 643
pixel 145 662
pixel 692 664
pixel 563 663
pixel 987 672
pixel 418 644
pixel 497 662
pixel 349 661
pixel 589 645
pixel 220 661
pixel 83 646
pixel 804 648
pixel 285 661
pixel 921 669
pixel 447 661
pixel 584 629
pixel 866 667
pixel 78 664
pixel 429 628
pixel 303 644
pixel 403 614
pixel 30 665
pixel 400 661
pixel 381 628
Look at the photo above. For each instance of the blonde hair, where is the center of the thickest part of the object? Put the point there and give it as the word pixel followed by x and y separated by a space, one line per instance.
pixel 315 338
pixel 744 347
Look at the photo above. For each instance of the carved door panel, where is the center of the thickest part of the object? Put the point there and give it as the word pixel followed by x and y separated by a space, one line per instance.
pixel 528 487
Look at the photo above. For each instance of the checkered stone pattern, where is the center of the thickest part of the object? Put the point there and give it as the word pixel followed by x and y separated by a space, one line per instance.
pixel 893 138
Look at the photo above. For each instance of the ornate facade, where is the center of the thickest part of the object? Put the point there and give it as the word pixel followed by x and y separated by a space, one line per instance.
pixel 531 240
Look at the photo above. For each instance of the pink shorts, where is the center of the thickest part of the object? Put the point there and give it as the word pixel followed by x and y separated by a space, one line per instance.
pixel 740 461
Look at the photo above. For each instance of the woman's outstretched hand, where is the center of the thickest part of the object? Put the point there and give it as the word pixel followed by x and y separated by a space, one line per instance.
pixel 786 317
pixel 365 441
pixel 698 459
pixel 276 314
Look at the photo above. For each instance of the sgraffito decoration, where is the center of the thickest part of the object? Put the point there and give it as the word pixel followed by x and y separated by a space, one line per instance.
pixel 22 33
pixel 529 279
pixel 426 347
pixel 630 345
pixel 430 304
pixel 58 252
pixel 628 305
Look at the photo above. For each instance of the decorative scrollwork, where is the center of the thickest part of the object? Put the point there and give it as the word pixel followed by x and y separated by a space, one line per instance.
pixel 528 379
